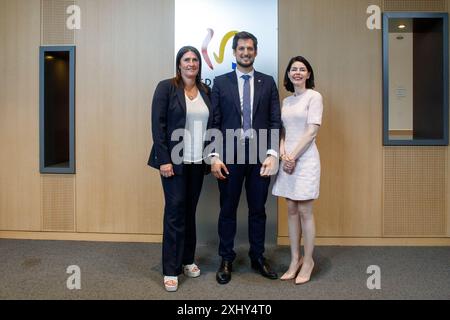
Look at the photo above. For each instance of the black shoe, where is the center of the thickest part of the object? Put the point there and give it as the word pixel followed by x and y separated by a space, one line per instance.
pixel 223 275
pixel 263 267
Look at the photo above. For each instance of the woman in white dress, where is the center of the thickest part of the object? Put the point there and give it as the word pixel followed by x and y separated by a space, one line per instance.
pixel 298 179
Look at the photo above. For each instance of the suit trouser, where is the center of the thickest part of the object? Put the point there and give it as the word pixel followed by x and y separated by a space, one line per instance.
pixel 181 194
pixel 256 188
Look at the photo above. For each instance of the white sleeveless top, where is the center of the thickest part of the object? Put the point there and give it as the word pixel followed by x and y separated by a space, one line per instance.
pixel 197 114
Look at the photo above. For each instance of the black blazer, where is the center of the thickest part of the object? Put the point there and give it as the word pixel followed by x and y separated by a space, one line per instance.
pixel 168 115
pixel 227 106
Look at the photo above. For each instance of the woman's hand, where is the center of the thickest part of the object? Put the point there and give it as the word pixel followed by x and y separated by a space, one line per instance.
pixel 166 170
pixel 289 164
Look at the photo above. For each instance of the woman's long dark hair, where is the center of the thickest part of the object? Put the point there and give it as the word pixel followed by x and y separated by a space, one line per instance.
pixel 309 82
pixel 178 80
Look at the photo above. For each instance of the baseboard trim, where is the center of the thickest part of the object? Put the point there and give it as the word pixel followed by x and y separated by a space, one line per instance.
pixel 157 238
pixel 375 241
pixel 76 236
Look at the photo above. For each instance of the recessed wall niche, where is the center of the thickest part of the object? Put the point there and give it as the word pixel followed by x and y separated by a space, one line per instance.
pixel 415 77
pixel 57 109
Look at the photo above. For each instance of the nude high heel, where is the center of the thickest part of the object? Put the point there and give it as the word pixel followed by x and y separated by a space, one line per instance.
pixel 291 275
pixel 303 278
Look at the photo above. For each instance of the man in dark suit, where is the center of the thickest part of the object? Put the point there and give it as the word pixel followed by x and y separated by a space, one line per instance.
pixel 247 102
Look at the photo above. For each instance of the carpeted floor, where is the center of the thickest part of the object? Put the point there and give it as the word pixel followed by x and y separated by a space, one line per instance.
pixel 37 270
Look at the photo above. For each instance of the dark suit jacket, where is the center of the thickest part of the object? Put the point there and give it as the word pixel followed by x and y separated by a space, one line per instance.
pixel 227 107
pixel 168 115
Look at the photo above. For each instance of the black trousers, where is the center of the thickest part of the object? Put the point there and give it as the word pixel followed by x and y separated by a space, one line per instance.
pixel 181 194
pixel 257 189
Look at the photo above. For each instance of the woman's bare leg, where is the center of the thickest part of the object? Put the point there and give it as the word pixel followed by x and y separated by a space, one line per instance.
pixel 295 234
pixel 309 235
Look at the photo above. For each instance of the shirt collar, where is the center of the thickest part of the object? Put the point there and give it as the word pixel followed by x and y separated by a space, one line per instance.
pixel 240 74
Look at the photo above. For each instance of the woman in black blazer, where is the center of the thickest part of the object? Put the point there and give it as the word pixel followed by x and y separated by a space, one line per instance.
pixel 181 114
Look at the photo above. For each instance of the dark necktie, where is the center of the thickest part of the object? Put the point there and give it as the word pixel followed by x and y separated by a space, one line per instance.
pixel 246 106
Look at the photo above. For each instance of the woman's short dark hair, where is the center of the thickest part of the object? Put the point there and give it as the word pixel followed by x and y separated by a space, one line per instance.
pixel 178 81
pixel 244 35
pixel 309 82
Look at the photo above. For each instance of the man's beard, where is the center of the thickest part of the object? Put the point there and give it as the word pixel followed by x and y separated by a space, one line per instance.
pixel 245 65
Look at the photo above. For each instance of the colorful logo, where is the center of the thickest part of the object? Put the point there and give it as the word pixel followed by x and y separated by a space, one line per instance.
pixel 219 58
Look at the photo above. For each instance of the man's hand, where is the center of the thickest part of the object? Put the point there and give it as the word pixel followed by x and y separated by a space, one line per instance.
pixel 269 167
pixel 166 170
pixel 216 168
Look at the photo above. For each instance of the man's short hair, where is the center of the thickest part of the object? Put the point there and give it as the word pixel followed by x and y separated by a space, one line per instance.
pixel 244 35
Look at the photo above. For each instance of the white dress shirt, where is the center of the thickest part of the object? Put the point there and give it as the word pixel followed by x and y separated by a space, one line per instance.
pixel 252 95
pixel 241 82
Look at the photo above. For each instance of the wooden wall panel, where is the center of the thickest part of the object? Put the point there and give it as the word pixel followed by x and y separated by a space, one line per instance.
pixel 447 192
pixel 123 49
pixel 346 57
pixel 19 110
pixel 415 5
pixel 414 203
pixel 53 17
pixel 58 202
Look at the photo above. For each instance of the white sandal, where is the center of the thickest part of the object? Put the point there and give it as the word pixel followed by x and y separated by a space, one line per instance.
pixel 171 283
pixel 191 270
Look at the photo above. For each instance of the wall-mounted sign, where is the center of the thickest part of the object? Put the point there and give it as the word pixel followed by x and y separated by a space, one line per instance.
pixel 210 26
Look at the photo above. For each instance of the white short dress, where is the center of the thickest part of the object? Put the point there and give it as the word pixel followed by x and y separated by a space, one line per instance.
pixel 296 113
